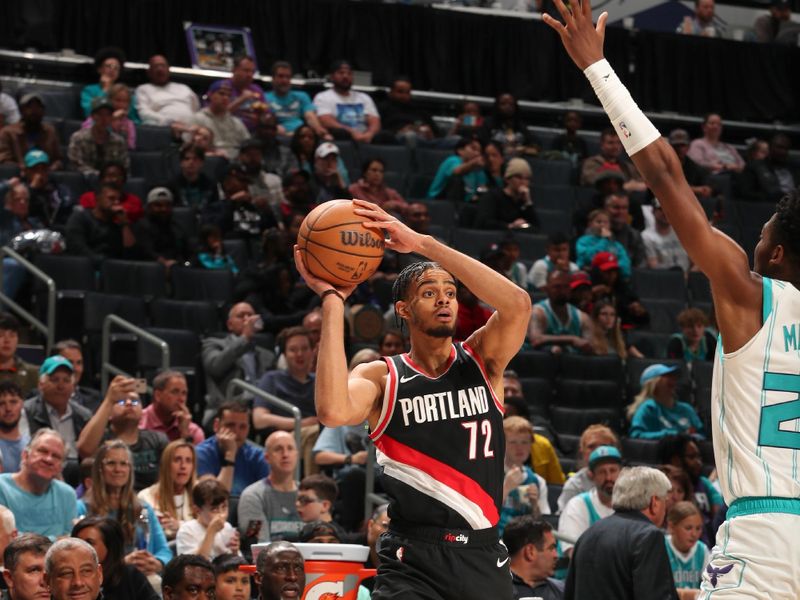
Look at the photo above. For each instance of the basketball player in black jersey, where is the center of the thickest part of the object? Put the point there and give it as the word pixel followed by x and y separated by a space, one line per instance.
pixel 435 415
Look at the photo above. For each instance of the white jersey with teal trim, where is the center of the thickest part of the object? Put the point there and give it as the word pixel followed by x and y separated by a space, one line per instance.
pixel 755 403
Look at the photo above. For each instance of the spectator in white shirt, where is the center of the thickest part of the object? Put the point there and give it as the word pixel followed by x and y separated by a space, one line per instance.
pixel 662 246
pixel 9 112
pixel 345 113
pixel 209 534
pixel 163 102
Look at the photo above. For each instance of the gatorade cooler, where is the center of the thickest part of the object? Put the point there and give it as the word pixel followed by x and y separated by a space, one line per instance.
pixel 333 571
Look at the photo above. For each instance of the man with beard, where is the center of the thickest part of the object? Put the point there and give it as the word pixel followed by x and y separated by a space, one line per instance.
pixel 328 182
pixel 12 438
pixel 102 232
pixel 556 325
pixel 618 206
pixel 85 396
pixel 280 572
pixel 160 237
pixel 164 102
pixel 345 113
pixel 29 133
pixel 435 415
pixel 23 562
pixel 247 97
pixel 266 189
pixel 291 107
pixel 118 418
pixel 73 571
pixel 585 509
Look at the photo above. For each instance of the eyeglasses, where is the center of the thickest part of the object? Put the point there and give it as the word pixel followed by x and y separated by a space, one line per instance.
pixel 132 401
pixel 122 464
pixel 303 500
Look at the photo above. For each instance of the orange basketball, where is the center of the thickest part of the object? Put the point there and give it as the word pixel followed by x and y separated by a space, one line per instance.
pixel 335 245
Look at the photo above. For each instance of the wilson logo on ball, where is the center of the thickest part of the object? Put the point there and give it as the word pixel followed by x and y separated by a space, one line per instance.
pixel 363 240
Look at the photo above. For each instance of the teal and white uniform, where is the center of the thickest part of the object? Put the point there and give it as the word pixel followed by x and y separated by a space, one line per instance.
pixel 580 513
pixel 687 569
pixel 556 327
pixel 755 405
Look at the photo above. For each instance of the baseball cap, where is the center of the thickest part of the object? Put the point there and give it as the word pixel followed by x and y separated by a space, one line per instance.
pixel 654 371
pixel 605 261
pixel 232 168
pixel 36 157
pixel 52 363
pixel 326 149
pixel 219 84
pixel 30 97
pixel 318 528
pixel 679 137
pixel 251 143
pixel 578 279
pixel 517 166
pixel 100 103
pixel 607 173
pixel 602 454
pixel 159 194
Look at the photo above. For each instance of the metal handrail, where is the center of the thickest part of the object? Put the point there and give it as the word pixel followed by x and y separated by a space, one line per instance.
pixel 107 367
pixel 371 499
pixel 49 330
pixel 241 384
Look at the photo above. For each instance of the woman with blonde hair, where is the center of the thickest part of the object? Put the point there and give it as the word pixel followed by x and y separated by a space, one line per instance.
pixel 171 495
pixel 656 413
pixel 112 495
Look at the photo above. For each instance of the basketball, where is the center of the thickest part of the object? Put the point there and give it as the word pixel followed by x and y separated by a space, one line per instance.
pixel 336 247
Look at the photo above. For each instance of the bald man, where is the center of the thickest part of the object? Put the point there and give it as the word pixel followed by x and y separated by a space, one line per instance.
pixel 267 508
pixel 280 572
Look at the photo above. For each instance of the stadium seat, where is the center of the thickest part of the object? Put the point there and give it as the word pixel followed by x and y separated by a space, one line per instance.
pixel 74 276
pixel 418 185
pixel 68 127
pixel 530 363
pixel 155 167
pixel 61 103
pixel 574 420
pixel 152 137
pixel 551 221
pixel 475 242
pixel 184 348
pixel 605 368
pixel 663 314
pixel 429 159
pixel 349 155
pixel 641 451
pixel 239 252
pixel 553 197
pixel 213 165
pixel 551 172
pixel 652 345
pixel 660 284
pixel 442 212
pixel 396 180
pixel 186 218
pixel 553 492
pixel 699 287
pixel 98 305
pixel 200 317
pixel 7 171
pixel 138 187
pixel 538 393
pixel 202 284
pixel 587 393
pixel 396 158
pixel 138 278
pixel 75 182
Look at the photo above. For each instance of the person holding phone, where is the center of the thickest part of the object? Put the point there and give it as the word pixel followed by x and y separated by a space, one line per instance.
pixel 118 418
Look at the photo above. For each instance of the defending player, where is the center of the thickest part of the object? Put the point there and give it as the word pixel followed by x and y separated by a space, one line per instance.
pixel 755 403
pixel 435 415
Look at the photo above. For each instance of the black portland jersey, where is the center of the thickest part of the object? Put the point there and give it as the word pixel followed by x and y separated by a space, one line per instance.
pixel 441 443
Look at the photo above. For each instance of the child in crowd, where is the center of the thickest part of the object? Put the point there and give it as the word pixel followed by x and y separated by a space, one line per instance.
pixel 557 257
pixel 232 584
pixel 598 238
pixel 209 534
pixel 211 254
pixel 315 497
pixel 688 556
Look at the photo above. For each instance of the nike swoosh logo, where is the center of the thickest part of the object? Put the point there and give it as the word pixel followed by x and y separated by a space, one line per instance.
pixel 404 379
pixel 605 77
pixel 500 563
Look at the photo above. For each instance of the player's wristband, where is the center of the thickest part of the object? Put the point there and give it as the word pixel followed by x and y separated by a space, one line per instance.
pixel 329 292
pixel 634 129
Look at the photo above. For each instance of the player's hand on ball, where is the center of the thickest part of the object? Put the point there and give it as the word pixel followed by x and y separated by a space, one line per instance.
pixel 317 285
pixel 400 237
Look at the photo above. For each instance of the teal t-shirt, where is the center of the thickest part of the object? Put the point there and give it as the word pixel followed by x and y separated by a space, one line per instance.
pixel 289 109
pixel 653 421
pixel 50 514
pixel 687 571
pixel 472 180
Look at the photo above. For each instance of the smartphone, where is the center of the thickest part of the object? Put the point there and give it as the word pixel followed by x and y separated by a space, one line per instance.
pixel 141 386
pixel 253 528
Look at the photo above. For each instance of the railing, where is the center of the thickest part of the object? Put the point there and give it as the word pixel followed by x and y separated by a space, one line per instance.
pixel 49 329
pixel 371 499
pixel 107 367
pixel 240 384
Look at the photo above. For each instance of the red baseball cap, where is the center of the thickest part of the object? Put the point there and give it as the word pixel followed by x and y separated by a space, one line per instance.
pixel 605 261
pixel 578 279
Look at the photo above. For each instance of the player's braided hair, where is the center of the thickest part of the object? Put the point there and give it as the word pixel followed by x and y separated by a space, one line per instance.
pixel 787 222
pixel 400 286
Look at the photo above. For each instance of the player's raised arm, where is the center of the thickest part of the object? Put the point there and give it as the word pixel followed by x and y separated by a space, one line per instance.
pixel 719 257
pixel 501 338
pixel 339 399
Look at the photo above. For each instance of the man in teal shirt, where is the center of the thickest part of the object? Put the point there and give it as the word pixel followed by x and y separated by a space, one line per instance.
pixel 291 107
pixel 467 163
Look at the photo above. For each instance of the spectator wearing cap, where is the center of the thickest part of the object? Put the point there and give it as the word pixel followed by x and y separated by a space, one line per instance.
pixel 703 22
pixel 328 182
pixel 50 202
pixel 119 95
pixel 580 292
pixel 592 437
pixel 556 325
pixel 534 552
pixel 655 412
pixel 465 167
pixel 72 351
pixel 291 107
pixel 247 97
pixel 624 555
pixel 160 237
pixel 512 206
pixel 53 407
pixel 12 367
pixel 115 173
pixel 90 149
pixel 372 187
pixel 40 502
pixel 228 130
pixel 599 239
pixel 266 189
pixel 556 257
pixel 9 111
pixel 698 177
pixel 109 63
pixel 103 231
pixel 347 114
pixel 236 215
pixel 617 206
pixel 30 133
pixel 587 508
pixel 662 246
pixel 191 186
pixel 768 28
pixel 610 158
pixel 608 284
pixel 164 102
